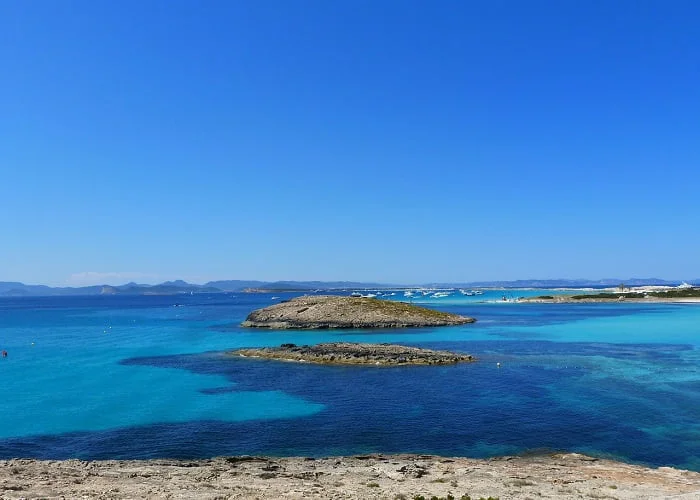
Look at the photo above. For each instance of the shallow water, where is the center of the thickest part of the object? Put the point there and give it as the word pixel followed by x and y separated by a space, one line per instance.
pixel 141 377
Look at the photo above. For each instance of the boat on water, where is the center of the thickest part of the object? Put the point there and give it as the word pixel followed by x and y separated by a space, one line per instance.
pixel 363 295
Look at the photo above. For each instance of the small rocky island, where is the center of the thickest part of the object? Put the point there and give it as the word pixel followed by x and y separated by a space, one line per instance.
pixel 332 311
pixel 350 353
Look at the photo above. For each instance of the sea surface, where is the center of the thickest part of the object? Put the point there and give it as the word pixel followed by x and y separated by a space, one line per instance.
pixel 113 377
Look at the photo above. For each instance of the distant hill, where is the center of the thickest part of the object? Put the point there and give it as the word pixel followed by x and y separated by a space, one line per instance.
pixel 17 289
pixel 8 289
pixel 238 285
pixel 235 285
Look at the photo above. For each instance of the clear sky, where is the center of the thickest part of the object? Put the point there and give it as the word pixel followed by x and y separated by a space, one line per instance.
pixel 395 141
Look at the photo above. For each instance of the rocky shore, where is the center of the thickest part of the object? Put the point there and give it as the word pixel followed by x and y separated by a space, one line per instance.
pixel 348 353
pixel 331 311
pixel 393 477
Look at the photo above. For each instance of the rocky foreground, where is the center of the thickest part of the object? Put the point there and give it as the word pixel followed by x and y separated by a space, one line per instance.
pixel 409 477
pixel 350 353
pixel 331 311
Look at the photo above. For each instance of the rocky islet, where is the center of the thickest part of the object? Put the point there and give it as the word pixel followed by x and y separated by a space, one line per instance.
pixel 331 311
pixel 349 353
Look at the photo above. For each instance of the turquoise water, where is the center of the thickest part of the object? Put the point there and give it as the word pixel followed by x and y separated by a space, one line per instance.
pixel 138 377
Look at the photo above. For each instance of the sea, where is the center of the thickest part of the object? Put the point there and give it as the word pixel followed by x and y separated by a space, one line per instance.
pixel 138 377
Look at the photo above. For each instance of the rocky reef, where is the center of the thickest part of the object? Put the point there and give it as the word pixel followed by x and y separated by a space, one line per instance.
pixel 349 353
pixel 331 311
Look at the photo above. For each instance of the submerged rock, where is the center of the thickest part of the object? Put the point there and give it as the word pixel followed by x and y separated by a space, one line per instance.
pixel 349 353
pixel 331 311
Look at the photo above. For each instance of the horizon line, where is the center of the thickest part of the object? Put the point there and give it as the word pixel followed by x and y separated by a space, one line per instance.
pixel 367 282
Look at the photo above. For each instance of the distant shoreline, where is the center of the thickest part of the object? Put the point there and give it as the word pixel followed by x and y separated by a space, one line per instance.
pixel 177 287
pixel 621 299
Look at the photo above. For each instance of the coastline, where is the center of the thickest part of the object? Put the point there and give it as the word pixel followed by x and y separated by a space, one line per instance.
pixel 682 294
pixel 563 475
pixel 567 299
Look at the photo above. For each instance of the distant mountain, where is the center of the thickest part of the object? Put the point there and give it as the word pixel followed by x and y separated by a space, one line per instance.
pixel 132 284
pixel 162 289
pixel 17 289
pixel 235 285
pixel 238 285
pixel 13 289
pixel 321 285
pixel 179 284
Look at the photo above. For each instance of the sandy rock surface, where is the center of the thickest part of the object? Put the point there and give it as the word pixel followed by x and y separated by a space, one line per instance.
pixel 331 311
pixel 373 476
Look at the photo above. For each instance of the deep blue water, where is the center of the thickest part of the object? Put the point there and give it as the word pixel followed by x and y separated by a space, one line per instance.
pixel 142 377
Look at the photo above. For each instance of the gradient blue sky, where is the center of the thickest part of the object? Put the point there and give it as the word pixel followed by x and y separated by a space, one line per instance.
pixel 394 141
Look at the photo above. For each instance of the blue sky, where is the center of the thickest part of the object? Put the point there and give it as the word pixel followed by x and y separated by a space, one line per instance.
pixel 394 141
